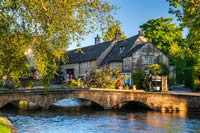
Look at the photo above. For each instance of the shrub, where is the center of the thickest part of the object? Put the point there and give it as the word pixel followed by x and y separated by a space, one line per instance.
pixel 138 79
pixel 197 85
pixel 74 83
pixel 188 77
pixel 104 78
pixel 146 84
pixel 30 84
pixel 155 69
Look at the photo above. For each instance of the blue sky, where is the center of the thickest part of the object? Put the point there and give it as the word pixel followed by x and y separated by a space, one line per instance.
pixel 132 14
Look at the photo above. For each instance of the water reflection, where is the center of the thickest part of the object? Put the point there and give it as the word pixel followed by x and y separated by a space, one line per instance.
pixel 94 121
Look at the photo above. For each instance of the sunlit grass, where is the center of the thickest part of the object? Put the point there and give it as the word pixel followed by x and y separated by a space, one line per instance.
pixel 3 127
pixel 3 89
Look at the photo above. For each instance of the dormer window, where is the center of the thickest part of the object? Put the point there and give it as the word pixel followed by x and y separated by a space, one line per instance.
pixel 121 49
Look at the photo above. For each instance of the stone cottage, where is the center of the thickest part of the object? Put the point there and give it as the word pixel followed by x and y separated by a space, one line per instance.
pixel 132 54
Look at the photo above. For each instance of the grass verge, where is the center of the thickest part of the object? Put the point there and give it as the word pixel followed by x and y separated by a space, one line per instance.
pixel 3 127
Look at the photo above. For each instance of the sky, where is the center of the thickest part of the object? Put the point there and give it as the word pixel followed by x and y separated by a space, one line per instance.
pixel 132 14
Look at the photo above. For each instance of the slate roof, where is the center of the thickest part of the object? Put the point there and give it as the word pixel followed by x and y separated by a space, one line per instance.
pixel 90 53
pixel 94 51
pixel 115 55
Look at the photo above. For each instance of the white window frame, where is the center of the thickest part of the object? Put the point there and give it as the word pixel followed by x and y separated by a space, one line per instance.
pixel 114 65
pixel 127 61
pixel 82 65
pixel 89 64
pixel 77 66
pixel 148 60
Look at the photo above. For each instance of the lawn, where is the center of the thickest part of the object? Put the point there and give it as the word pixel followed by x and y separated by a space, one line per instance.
pixel 3 89
pixel 3 127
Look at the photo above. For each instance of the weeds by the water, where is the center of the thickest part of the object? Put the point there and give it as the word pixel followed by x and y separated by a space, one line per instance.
pixel 3 127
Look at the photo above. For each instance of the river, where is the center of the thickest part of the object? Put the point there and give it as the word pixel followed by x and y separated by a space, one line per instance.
pixel 100 121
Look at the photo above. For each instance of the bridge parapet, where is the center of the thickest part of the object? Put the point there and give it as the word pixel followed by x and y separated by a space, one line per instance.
pixel 106 98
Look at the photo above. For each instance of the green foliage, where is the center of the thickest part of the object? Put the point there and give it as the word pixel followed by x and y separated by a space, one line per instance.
pixel 3 127
pixel 74 83
pixel 47 80
pixel 162 33
pixel 188 77
pixel 47 27
pixel 146 84
pixel 155 69
pixel 104 78
pixel 138 79
pixel 196 71
pixel 126 87
pixel 165 69
pixel 30 84
pixel 182 57
pixel 188 13
pixel 196 85
pixel 109 35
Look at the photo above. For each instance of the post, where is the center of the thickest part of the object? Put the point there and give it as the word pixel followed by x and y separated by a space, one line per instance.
pixel 164 83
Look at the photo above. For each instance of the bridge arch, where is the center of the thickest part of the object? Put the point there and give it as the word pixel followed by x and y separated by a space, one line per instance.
pixel 79 98
pixel 12 101
pixel 132 104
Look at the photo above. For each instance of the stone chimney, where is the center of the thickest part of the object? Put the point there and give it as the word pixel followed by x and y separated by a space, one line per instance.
pixel 97 39
pixel 118 35
pixel 141 33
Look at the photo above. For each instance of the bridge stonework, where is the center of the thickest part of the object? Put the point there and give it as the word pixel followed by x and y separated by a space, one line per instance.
pixel 105 98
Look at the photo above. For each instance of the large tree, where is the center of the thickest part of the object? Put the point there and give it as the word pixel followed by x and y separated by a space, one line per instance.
pixel 188 13
pixel 163 33
pixel 48 27
pixel 109 35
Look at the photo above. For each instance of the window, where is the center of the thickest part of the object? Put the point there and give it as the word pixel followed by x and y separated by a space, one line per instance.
pixel 89 64
pixel 148 60
pixel 114 66
pixel 77 66
pixel 82 65
pixel 127 61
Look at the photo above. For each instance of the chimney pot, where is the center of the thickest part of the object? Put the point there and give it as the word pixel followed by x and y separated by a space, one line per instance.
pixel 97 39
pixel 118 35
pixel 141 33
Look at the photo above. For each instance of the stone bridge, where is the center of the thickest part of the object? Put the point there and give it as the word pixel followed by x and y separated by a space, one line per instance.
pixel 106 98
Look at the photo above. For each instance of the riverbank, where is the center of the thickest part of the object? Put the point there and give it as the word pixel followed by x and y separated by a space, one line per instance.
pixel 6 126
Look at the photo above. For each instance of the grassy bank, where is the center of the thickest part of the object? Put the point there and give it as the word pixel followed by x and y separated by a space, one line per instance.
pixel 3 89
pixel 3 127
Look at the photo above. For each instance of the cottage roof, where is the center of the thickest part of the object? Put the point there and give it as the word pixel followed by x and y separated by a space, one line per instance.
pixel 89 53
pixel 94 51
pixel 115 55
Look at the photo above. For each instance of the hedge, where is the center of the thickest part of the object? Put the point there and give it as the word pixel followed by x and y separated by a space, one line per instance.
pixel 188 77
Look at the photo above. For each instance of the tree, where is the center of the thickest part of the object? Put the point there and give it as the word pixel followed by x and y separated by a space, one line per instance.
pixel 188 13
pixel 109 35
pixel 163 33
pixel 48 27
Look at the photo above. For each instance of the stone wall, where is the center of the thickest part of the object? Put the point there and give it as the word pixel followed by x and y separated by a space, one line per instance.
pixel 136 62
pixel 77 67
pixel 106 98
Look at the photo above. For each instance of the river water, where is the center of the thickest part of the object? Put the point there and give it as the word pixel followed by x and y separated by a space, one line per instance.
pixel 101 121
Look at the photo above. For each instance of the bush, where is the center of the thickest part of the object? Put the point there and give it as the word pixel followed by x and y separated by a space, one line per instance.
pixel 138 79
pixel 74 83
pixel 188 77
pixel 197 85
pixel 30 84
pixel 103 78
